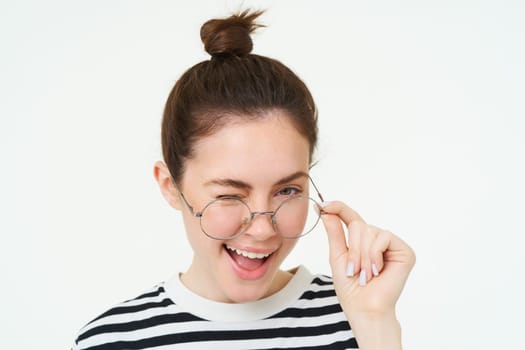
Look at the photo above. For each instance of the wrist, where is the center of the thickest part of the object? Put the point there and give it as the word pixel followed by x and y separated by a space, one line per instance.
pixel 377 331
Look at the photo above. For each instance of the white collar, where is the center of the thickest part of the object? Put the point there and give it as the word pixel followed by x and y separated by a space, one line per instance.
pixel 215 311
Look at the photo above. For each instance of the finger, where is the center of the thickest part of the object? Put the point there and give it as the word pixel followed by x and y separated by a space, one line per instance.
pixel 355 225
pixel 392 253
pixel 356 231
pixel 336 242
pixel 399 252
pixel 342 210
pixel 398 259
pixel 367 238
pixel 378 247
pixel 356 235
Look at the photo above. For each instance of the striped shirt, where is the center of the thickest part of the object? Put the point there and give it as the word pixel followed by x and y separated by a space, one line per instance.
pixel 305 314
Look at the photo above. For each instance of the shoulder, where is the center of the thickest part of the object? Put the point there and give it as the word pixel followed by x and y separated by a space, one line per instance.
pixel 131 317
pixel 320 281
pixel 318 297
pixel 314 284
pixel 316 315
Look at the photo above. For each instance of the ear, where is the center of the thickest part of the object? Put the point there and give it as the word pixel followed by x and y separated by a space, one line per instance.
pixel 166 185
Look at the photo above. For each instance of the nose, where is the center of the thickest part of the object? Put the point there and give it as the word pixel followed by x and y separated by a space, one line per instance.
pixel 261 226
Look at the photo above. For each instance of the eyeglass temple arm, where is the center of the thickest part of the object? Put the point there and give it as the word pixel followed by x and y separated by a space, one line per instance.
pixel 190 208
pixel 316 189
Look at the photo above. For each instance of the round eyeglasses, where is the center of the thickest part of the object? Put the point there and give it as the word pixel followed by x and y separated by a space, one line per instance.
pixel 229 217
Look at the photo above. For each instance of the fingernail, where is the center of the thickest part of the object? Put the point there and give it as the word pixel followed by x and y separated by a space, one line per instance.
pixel 374 270
pixel 350 269
pixel 362 278
pixel 325 203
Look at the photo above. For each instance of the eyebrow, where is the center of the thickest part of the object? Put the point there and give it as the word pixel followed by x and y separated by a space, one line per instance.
pixel 246 186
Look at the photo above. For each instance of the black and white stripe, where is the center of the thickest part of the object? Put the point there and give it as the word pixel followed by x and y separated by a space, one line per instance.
pixel 154 321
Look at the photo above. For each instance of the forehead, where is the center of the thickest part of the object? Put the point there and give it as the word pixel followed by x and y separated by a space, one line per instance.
pixel 259 150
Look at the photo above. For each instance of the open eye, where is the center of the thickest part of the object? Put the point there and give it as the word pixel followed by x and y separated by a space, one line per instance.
pixel 289 192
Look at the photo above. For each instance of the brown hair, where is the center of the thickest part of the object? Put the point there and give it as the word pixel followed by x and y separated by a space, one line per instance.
pixel 232 85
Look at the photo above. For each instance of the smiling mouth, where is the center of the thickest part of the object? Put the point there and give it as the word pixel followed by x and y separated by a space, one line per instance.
pixel 245 259
pixel 247 254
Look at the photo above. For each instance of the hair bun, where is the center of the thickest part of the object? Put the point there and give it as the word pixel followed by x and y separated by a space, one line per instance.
pixel 230 36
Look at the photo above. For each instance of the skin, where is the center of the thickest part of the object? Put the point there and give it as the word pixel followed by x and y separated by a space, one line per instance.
pixel 370 308
pixel 246 152
pixel 240 152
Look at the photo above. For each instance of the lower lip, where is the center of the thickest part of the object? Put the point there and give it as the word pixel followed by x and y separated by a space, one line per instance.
pixel 250 275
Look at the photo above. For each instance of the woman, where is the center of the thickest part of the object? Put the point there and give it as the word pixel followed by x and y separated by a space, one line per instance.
pixel 238 136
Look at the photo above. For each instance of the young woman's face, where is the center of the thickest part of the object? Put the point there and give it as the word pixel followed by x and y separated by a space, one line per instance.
pixel 262 162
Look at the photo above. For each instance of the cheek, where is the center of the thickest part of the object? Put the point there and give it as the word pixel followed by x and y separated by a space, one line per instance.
pixel 193 231
pixel 201 244
pixel 288 245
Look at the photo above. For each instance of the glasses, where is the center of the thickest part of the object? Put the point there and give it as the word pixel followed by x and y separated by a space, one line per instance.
pixel 226 218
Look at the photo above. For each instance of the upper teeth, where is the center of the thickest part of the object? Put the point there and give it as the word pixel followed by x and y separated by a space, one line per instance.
pixel 250 255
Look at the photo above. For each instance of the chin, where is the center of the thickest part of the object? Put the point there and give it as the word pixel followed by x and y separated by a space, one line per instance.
pixel 245 294
pixel 241 290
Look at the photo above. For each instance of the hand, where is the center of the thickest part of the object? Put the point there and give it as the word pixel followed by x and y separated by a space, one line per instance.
pixel 369 271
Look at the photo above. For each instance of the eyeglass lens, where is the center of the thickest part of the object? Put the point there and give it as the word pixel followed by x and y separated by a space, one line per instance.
pixel 228 217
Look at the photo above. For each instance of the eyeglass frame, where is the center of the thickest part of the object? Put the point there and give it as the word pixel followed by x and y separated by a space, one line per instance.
pixel 253 214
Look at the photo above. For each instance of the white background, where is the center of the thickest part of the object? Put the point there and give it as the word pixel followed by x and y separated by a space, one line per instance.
pixel 421 119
